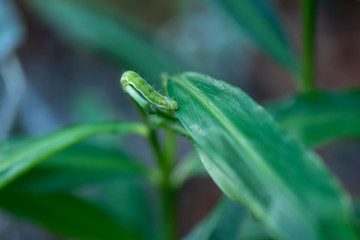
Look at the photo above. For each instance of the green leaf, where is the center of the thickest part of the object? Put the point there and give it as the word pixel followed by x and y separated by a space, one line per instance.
pixel 94 25
pixel 253 161
pixel 259 18
pixel 80 165
pixel 16 159
pixel 224 222
pixel 319 117
pixel 66 215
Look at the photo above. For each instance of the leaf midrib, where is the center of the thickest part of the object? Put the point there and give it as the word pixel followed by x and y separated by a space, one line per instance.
pixel 228 126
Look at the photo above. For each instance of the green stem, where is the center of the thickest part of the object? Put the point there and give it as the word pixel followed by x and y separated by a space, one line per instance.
pixel 169 196
pixel 170 149
pixel 308 8
pixel 165 162
pixel 168 193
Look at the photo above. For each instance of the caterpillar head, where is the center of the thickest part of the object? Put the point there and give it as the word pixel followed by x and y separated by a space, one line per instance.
pixel 172 104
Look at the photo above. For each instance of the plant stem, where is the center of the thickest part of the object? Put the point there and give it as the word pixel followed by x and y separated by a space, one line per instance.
pixel 170 149
pixel 165 162
pixel 168 193
pixel 308 9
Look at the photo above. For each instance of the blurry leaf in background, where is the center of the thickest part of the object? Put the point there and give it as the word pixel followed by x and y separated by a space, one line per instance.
pixel 91 105
pixel 94 25
pixel 65 214
pixel 12 31
pixel 319 117
pixel 357 210
pixel 106 179
pixel 132 202
pixel 79 165
pixel 253 230
pixel 12 34
pixel 190 166
pixel 206 41
pixel 260 19
pixel 254 162
pixel 18 158
pixel 13 93
pixel 228 220
pixel 223 223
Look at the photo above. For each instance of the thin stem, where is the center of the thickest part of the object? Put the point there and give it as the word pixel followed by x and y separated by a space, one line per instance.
pixel 308 8
pixel 174 126
pixel 168 193
pixel 170 148
pixel 165 162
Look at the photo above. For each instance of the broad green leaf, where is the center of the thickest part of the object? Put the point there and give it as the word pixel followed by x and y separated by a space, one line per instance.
pixel 260 19
pixel 224 222
pixel 80 165
pixel 253 161
pixel 319 117
pixel 66 215
pixel 91 24
pixel 16 159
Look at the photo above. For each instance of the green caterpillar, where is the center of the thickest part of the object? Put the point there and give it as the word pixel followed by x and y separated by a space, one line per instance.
pixel 130 78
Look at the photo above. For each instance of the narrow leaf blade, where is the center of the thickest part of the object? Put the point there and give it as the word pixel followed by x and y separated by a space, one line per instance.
pixel 79 165
pixel 16 160
pixel 259 18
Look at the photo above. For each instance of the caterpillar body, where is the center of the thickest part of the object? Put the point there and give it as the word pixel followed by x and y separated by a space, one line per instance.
pixel 130 78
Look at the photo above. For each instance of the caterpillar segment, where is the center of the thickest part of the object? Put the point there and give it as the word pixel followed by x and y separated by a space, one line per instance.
pixel 131 78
